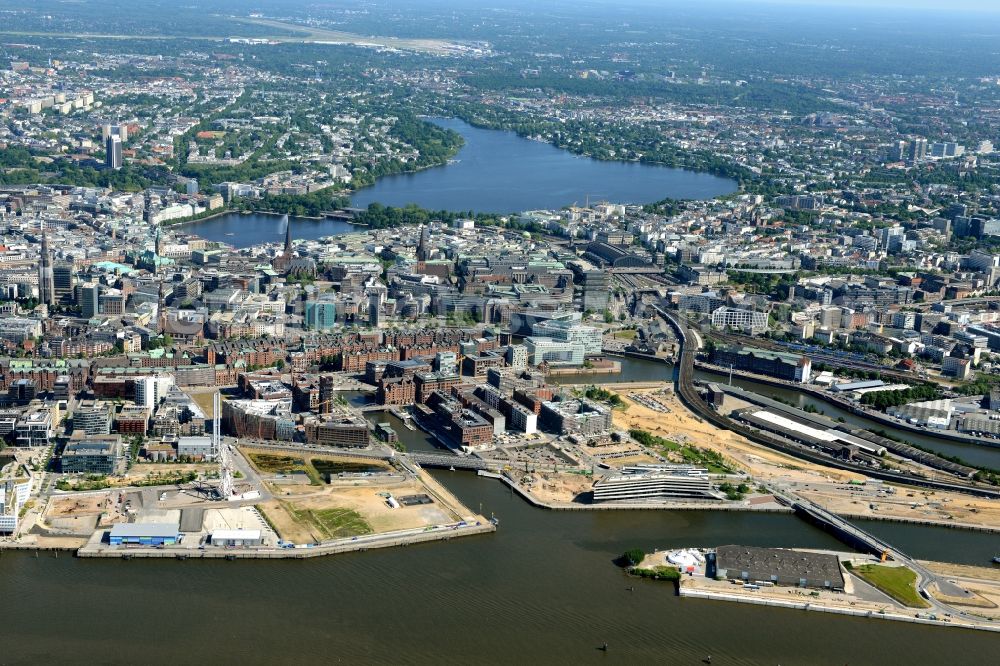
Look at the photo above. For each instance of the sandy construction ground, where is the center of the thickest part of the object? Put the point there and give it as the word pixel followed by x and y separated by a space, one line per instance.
pixel 681 426
pixel 553 488
pixel 364 498
pixel 826 486
pixel 83 505
pixel 910 504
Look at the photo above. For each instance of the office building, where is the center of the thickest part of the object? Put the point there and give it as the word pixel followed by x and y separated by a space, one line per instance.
pixel 575 417
pixel 320 315
pixel 90 300
pixel 46 279
pixel 94 455
pixel 655 482
pixel 63 281
pixel 748 321
pixel 596 290
pixel 546 350
pixel 589 337
pixel 113 152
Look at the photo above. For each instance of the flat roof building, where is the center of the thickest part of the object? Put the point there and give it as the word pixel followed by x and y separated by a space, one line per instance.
pixel 658 482
pixel 144 534
pixel 779 566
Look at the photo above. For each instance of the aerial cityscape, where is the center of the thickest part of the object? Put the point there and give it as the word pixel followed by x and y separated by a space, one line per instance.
pixel 384 331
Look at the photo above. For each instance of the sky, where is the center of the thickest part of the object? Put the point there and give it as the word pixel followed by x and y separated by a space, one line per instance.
pixel 966 5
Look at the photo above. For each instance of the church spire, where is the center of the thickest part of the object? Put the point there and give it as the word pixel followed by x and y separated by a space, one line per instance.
pixel 288 235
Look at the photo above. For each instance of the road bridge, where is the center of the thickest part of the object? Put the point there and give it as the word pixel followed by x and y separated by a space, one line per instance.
pixel 448 461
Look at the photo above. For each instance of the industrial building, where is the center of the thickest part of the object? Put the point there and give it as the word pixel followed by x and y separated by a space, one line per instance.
pixel 835 442
pixel 144 534
pixel 656 482
pixel 777 566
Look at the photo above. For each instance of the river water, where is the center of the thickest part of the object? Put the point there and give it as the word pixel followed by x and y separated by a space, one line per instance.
pixel 542 589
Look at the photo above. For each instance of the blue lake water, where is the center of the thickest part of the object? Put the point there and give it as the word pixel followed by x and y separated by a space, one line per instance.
pixel 496 172
pixel 500 172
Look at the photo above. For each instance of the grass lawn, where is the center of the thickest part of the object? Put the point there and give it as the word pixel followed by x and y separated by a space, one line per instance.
pixel 898 582
pixel 625 335
pixel 333 523
pixel 280 464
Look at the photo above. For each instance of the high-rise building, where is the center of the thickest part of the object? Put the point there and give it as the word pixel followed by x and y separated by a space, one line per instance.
pixel 374 309
pixel 90 294
pixel 62 275
pixel 596 291
pixel 113 148
pixel 918 150
pixel 46 283
pixel 320 315
pixel 326 393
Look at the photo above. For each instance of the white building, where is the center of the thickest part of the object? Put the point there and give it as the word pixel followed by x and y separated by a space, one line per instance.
pixel 568 331
pixel 15 488
pixel 660 482
pixel 150 390
pixel 547 350
pixel 741 320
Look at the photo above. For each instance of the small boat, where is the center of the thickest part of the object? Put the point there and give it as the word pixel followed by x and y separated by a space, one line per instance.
pixel 996 560
pixel 452 469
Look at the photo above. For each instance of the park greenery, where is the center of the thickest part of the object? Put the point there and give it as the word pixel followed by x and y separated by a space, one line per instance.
pixel 603 395
pixel 898 582
pixel 691 455
pixel 882 400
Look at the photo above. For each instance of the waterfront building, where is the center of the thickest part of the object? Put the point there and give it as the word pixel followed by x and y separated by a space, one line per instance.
pixel 589 337
pixel 776 566
pixel 656 482
pixel 546 350
pixel 15 489
pixel 236 538
pixel 344 430
pixel 144 534
pixel 790 367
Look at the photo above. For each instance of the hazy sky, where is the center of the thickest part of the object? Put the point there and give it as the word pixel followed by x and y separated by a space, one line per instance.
pixel 981 5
